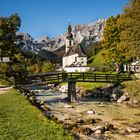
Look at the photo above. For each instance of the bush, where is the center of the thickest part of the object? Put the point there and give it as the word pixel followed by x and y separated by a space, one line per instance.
pixel 48 67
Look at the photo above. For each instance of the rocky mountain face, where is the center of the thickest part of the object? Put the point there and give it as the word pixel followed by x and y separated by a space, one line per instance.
pixel 83 34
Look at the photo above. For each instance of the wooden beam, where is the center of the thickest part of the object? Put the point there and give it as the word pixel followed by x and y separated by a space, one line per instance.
pixel 71 90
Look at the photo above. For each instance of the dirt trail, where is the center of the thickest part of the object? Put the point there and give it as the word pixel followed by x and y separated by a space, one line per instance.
pixel 3 89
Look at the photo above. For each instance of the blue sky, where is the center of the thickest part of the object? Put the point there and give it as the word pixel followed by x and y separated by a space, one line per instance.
pixel 50 17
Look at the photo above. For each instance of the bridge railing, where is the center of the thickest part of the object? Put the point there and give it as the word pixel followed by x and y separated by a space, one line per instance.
pixel 94 77
pixel 78 77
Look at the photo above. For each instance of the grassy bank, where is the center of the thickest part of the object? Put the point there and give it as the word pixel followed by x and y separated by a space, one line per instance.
pixel 5 82
pixel 22 121
pixel 88 85
pixel 133 88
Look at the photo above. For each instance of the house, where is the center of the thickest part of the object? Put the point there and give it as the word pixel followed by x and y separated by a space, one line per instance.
pixel 74 59
pixel 4 59
pixel 134 67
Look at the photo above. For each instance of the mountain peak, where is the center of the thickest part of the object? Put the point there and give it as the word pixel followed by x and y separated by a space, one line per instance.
pixel 85 34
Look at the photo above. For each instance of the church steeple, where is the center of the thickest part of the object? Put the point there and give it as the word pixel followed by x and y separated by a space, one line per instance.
pixel 69 38
pixel 69 35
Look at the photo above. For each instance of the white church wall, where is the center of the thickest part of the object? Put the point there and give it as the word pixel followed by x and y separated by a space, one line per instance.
pixel 76 69
pixel 71 59
pixel 68 60
pixel 64 62
pixel 74 59
pixel 82 61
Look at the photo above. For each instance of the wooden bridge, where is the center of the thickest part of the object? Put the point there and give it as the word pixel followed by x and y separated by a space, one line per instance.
pixel 51 78
pixel 72 78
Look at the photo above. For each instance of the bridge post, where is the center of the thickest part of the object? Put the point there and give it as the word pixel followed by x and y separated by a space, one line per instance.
pixel 71 90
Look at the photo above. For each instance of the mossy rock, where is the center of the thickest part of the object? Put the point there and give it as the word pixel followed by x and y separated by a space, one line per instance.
pixel 108 126
pixel 80 121
pixel 98 120
pixel 90 121
pixel 70 126
pixel 86 131
pixel 45 108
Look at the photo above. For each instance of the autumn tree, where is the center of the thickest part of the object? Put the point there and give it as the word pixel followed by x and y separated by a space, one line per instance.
pixel 121 36
pixel 129 23
pixel 34 69
pixel 111 38
pixel 8 28
pixel 9 46
pixel 48 67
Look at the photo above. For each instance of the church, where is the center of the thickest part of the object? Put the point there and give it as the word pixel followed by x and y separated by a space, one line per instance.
pixel 74 59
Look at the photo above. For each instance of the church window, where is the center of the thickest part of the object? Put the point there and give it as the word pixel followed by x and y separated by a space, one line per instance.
pixel 70 42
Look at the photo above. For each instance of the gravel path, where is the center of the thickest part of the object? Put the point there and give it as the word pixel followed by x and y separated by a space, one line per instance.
pixel 3 89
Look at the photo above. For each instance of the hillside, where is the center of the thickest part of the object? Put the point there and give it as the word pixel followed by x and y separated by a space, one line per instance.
pixel 97 61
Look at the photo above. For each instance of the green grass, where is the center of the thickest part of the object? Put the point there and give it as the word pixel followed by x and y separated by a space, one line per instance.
pixel 133 88
pixel 5 82
pixel 22 121
pixel 98 61
pixel 88 85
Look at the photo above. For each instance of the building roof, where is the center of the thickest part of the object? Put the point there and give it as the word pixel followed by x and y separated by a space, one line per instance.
pixel 76 49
